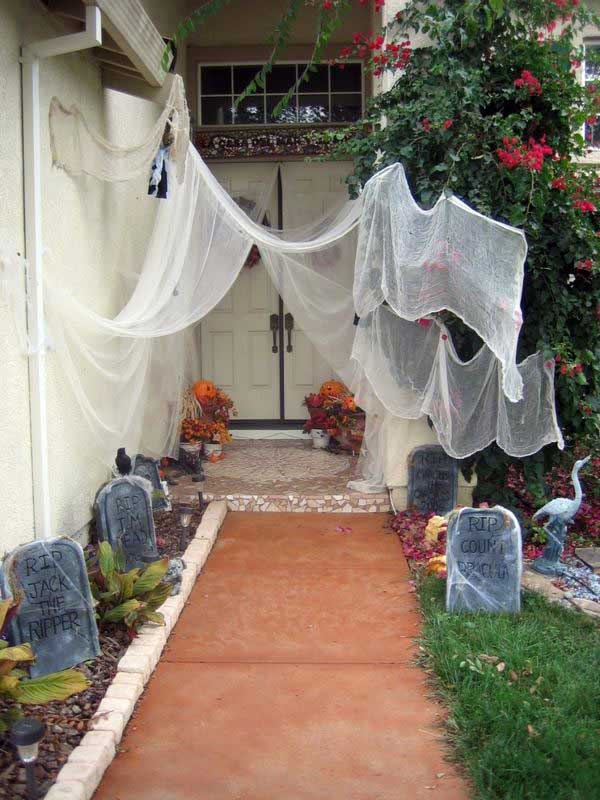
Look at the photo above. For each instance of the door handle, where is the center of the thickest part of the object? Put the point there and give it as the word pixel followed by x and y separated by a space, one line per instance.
pixel 289 326
pixel 274 327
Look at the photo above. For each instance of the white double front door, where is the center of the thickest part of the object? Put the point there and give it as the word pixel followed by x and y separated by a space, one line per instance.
pixel 251 345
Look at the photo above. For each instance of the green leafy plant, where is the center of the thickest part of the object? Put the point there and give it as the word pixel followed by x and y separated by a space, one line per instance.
pixel 15 686
pixel 129 597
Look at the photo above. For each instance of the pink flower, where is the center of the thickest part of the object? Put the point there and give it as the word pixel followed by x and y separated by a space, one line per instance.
pixel 423 322
pixel 426 123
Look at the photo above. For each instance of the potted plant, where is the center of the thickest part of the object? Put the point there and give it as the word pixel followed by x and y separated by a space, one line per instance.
pixel 206 413
pixel 335 416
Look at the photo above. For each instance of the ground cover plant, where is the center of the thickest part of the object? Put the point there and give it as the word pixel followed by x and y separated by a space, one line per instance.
pixel 522 694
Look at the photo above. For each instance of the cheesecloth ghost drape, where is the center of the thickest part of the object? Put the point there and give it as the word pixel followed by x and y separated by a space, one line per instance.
pixel 377 250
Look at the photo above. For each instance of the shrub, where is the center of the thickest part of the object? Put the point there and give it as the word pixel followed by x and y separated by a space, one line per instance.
pixel 493 110
pixel 130 598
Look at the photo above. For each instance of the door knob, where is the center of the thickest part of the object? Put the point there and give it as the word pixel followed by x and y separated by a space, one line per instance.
pixel 289 326
pixel 274 327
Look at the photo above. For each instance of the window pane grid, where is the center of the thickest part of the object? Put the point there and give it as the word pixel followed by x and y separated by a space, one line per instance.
pixel 316 101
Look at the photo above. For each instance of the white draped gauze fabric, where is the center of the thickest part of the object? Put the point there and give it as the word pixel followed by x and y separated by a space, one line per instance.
pixel 450 257
pixel 414 370
pixel 82 151
pixel 200 242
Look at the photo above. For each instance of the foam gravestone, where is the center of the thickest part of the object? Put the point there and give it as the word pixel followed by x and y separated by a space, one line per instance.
pixel 432 479
pixel 146 467
pixel 124 518
pixel 484 562
pixel 56 612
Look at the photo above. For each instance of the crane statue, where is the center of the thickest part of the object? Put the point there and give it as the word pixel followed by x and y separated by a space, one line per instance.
pixel 560 513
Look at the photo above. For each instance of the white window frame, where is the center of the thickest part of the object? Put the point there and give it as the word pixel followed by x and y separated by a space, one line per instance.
pixel 266 122
pixel 592 155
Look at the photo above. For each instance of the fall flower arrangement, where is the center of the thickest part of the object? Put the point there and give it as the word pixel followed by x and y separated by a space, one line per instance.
pixel 206 412
pixel 334 410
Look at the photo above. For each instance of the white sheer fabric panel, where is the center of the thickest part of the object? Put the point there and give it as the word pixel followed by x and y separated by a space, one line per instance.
pixel 128 371
pixel 78 149
pixel 450 257
pixel 415 370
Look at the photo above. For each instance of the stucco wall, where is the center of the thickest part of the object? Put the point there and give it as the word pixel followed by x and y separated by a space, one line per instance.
pixel 16 519
pixel 83 224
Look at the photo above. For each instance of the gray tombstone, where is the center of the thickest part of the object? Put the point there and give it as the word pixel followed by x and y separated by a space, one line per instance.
pixel 432 479
pixel 484 561
pixel 146 467
pixel 124 518
pixel 56 614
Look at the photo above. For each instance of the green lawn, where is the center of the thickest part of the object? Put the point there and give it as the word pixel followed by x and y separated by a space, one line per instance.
pixel 523 694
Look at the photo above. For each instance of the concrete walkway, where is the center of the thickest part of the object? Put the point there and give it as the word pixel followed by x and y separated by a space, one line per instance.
pixel 289 675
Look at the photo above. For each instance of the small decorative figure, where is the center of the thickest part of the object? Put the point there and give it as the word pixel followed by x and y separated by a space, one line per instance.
pixel 560 513
pixel 123 462
pixel 174 574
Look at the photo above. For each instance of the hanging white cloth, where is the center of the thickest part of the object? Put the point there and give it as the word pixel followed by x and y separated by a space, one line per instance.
pixel 370 251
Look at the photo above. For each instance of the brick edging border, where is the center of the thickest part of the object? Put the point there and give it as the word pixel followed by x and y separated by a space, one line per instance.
pixel 80 776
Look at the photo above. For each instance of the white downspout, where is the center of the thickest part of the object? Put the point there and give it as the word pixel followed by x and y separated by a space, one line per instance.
pixel 30 61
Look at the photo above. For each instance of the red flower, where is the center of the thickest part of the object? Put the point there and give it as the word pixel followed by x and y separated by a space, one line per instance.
pixel 586 265
pixel 585 206
pixel 529 82
pixel 530 156
pixel 426 123
pixel 424 323
pixel 448 123
pixel 559 183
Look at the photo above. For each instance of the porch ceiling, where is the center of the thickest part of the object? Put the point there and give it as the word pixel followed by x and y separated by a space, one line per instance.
pixel 131 44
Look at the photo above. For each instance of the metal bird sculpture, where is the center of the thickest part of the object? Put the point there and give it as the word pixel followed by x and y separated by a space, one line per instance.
pixel 560 513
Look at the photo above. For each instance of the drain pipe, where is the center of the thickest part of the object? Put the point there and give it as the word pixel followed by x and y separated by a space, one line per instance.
pixel 30 64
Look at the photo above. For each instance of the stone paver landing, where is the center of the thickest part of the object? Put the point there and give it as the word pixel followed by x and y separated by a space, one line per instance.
pixel 290 675
pixel 282 475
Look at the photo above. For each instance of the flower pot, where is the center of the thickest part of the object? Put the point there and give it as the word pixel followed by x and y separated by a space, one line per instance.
pixel 320 439
pixel 213 448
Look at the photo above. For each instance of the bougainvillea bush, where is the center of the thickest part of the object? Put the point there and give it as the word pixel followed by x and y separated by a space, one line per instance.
pixel 494 109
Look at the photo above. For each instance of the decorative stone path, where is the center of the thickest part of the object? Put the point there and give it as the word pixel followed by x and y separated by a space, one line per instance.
pixel 282 475
pixel 290 675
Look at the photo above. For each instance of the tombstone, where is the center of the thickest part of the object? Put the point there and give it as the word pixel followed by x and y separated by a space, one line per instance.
pixel 484 561
pixel 432 479
pixel 124 518
pixel 147 468
pixel 56 615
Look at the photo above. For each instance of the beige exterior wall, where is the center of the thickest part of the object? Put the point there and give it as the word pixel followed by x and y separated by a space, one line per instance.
pixel 83 221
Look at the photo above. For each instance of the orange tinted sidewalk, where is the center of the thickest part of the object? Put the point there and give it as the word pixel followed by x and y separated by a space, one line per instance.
pixel 289 675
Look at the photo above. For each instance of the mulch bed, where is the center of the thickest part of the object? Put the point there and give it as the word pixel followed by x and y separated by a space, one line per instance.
pixel 67 721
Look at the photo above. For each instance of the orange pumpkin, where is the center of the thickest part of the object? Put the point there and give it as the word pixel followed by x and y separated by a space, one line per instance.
pixel 204 390
pixel 333 389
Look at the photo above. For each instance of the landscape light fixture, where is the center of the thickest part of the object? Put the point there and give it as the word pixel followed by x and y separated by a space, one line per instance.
pixel 185 519
pixel 26 735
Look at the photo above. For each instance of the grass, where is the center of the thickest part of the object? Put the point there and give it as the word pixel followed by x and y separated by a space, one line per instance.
pixel 523 694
